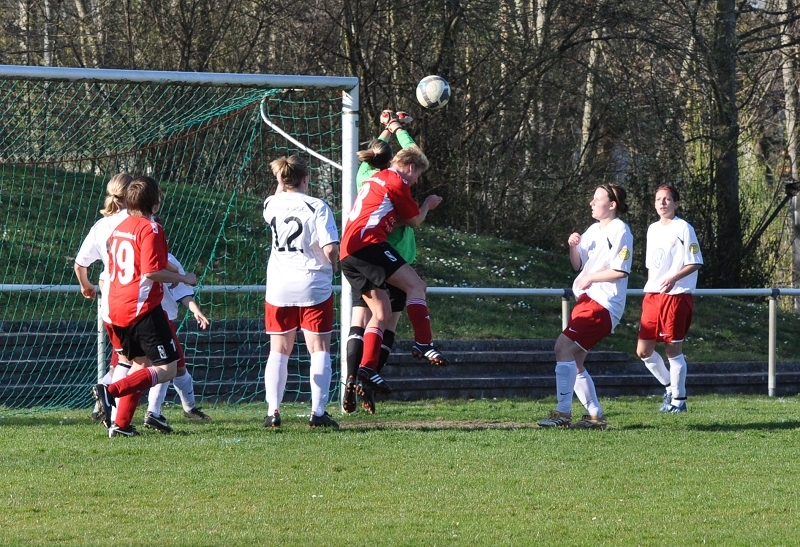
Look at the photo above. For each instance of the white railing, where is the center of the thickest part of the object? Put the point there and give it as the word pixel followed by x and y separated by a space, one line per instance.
pixel 565 295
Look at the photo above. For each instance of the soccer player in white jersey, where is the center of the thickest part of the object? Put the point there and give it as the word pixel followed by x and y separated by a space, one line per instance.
pixel 184 385
pixel 672 259
pixel 299 295
pixel 93 249
pixel 602 255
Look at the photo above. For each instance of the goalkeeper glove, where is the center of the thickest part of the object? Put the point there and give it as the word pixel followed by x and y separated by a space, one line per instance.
pixel 386 117
pixel 404 118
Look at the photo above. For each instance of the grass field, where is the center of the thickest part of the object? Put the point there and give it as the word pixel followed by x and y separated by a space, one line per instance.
pixel 429 473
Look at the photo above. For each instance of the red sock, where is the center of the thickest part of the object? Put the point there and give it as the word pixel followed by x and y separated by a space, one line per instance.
pixel 127 408
pixel 373 338
pixel 141 380
pixel 417 311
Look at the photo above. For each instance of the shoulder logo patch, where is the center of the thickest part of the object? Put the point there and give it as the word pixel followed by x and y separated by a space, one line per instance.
pixel 694 248
pixel 624 254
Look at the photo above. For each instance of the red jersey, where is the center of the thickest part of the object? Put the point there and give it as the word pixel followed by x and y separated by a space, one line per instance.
pixel 136 247
pixel 382 199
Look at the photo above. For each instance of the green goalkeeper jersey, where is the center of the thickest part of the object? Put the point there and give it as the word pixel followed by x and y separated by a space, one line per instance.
pixel 401 238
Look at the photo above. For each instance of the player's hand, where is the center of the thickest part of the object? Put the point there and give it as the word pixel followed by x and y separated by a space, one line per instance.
pixel 386 117
pixel 190 279
pixel 432 202
pixel 667 285
pixel 88 292
pixel 404 118
pixel 574 239
pixel 202 320
pixel 584 283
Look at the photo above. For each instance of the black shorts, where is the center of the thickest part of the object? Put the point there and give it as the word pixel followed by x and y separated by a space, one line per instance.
pixel 370 267
pixel 151 337
pixel 396 297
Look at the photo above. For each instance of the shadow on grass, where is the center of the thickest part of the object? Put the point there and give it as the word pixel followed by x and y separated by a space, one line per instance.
pixel 759 426
pixel 439 425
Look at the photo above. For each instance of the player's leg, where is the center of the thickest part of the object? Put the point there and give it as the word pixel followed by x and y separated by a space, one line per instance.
pixel 281 324
pixel 317 324
pixel 380 309
pixel 677 320
pixel 355 351
pixel 649 335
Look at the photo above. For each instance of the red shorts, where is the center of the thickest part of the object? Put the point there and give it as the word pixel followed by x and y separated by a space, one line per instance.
pixel 316 319
pixel 116 343
pixel 181 358
pixel 589 323
pixel 666 317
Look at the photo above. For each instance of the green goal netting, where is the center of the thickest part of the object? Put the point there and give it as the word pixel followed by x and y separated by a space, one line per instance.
pixel 65 132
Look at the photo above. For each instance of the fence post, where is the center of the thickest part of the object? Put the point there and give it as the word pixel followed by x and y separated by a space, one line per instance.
pixel 101 341
pixel 773 337
pixel 565 308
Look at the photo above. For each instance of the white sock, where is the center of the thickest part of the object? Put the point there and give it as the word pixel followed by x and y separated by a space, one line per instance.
pixel 320 376
pixel 677 374
pixel 655 364
pixel 275 374
pixel 120 372
pixel 565 385
pixel 156 396
pixel 584 389
pixel 108 378
pixel 184 385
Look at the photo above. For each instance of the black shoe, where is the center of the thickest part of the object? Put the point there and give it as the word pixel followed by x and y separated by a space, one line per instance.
pixel 367 400
pixel 349 403
pixel 157 422
pixel 106 401
pixel 428 353
pixel 273 421
pixel 117 431
pixel 322 421
pixel 369 379
pixel 197 414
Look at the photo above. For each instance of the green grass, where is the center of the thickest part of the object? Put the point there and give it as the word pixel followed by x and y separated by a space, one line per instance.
pixel 427 473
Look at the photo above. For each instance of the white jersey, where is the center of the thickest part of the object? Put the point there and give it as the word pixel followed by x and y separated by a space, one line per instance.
pixel 602 248
pixel 174 295
pixel 298 272
pixel 670 247
pixel 94 248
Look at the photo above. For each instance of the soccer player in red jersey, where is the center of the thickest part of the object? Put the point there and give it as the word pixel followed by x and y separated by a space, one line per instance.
pixel 137 263
pixel 369 262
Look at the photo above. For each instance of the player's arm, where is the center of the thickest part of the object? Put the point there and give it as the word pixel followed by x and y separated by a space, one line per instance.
pixel 189 302
pixel 430 203
pixel 332 254
pixel 87 288
pixel 166 276
pixel 574 242
pixel 668 283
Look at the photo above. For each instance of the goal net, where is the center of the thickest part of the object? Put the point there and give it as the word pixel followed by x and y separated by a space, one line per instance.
pixel 204 137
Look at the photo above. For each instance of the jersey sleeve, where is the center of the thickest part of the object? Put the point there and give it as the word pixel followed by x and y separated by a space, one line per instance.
pixel 691 250
pixel 403 201
pixel 153 250
pixel 180 290
pixel 325 225
pixel 622 250
pixel 404 139
pixel 89 253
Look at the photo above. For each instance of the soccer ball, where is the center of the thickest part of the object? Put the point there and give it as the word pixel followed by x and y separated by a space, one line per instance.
pixel 433 92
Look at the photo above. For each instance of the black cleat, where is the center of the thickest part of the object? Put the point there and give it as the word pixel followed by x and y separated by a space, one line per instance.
pixel 370 379
pixel 106 401
pixel 159 423
pixel 197 414
pixel 349 403
pixel 273 421
pixel 428 353
pixel 117 431
pixel 367 400
pixel 322 421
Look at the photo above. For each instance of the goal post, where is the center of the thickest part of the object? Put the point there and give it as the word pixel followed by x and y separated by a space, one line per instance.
pixel 204 137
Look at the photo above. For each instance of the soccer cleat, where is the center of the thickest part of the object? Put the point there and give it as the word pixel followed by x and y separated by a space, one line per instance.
pixel 370 379
pixel 106 401
pixel 197 414
pixel 590 422
pixel 157 422
pixel 675 409
pixel 273 421
pixel 349 403
pixel 322 421
pixel 117 431
pixel 665 402
pixel 428 353
pixel 367 400
pixel 556 419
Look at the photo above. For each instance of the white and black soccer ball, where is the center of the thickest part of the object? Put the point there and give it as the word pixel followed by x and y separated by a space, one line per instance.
pixel 433 92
